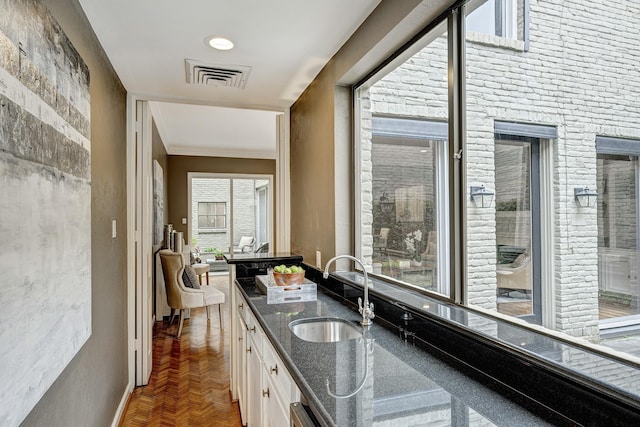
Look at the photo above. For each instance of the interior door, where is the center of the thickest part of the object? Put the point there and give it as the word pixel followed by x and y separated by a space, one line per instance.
pixel 143 245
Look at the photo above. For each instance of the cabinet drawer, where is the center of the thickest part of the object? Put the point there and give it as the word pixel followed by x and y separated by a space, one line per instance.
pixel 241 304
pixel 254 332
pixel 279 376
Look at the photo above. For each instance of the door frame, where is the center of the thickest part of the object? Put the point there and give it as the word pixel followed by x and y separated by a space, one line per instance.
pixel 535 201
pixel 281 220
pixel 138 240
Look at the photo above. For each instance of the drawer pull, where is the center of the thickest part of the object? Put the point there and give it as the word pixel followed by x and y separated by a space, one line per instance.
pixel 241 306
pixel 274 370
pixel 239 338
pixel 249 349
pixel 253 329
pixel 265 393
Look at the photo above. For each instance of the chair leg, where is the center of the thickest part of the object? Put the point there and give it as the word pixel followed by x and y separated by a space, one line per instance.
pixel 181 322
pixel 207 308
pixel 171 316
pixel 220 315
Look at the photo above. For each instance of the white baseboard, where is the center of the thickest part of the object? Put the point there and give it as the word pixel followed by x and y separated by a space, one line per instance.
pixel 122 405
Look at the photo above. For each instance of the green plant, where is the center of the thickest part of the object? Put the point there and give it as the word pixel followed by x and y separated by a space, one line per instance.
pixel 218 252
pixel 209 250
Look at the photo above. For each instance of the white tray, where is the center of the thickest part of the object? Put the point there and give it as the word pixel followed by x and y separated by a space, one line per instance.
pixel 305 291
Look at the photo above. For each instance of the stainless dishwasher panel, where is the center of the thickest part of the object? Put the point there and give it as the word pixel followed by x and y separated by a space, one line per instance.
pixel 299 417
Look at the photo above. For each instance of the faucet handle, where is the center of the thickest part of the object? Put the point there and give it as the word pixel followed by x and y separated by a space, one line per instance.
pixel 369 311
pixel 360 307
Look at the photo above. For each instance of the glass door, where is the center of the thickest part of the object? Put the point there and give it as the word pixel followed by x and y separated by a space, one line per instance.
pixel 518 227
pixel 229 215
pixel 618 287
pixel 245 221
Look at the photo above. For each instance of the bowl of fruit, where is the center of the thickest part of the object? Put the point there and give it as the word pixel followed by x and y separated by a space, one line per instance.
pixel 288 276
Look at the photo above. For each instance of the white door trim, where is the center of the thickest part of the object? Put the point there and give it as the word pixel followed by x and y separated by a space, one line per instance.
pixel 283 187
pixel 136 240
pixel 131 239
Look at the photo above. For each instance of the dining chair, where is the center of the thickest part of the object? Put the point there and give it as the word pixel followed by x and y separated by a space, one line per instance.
pixel 180 297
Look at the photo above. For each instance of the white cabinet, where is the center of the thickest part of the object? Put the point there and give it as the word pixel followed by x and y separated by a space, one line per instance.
pixel 275 414
pixel 254 372
pixel 264 387
pixel 279 390
pixel 241 346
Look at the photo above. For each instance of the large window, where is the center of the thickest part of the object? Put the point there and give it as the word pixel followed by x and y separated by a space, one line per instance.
pixel 448 116
pixel 212 215
pixel 404 168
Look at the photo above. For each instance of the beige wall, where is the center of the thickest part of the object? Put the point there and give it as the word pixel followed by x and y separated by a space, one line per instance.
pixel 88 391
pixel 180 166
pixel 321 178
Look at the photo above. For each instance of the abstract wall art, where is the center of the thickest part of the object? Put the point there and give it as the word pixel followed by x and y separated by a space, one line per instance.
pixel 45 205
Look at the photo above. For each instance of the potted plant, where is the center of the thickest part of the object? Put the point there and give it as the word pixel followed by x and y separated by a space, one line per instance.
pixel 218 254
pixel 413 243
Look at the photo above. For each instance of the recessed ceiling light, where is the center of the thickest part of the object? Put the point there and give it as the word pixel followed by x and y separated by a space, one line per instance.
pixel 219 43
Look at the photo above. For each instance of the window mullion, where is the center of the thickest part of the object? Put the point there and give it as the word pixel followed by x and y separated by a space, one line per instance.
pixel 457 248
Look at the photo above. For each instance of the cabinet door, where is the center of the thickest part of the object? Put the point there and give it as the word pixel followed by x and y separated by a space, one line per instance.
pixel 254 385
pixel 275 413
pixel 241 346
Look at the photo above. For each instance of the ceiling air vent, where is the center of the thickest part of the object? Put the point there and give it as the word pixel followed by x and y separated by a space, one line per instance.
pixel 222 75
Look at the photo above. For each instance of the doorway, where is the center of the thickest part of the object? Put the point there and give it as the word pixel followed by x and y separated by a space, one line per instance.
pixel 518 229
pixel 229 214
pixel 618 178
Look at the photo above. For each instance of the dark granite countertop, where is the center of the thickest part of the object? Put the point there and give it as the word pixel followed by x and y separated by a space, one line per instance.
pixel 262 257
pixel 405 385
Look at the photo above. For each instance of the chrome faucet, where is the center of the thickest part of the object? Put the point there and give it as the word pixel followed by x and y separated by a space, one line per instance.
pixel 365 309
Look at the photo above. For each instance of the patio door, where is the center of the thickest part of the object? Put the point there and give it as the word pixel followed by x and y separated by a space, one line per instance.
pixel 227 209
pixel 517 201
pixel 618 178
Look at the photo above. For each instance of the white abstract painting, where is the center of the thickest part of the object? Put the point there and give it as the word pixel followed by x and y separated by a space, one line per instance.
pixel 158 203
pixel 45 205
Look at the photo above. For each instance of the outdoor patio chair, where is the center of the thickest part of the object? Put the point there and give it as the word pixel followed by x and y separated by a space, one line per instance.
pixel 245 245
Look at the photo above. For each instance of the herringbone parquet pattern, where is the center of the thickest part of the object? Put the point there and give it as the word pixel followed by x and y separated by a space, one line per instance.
pixel 189 384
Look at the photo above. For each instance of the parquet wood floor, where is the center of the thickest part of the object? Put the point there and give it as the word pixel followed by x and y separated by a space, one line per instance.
pixel 189 384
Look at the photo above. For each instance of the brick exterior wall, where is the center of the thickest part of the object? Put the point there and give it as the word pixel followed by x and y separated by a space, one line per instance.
pixel 580 75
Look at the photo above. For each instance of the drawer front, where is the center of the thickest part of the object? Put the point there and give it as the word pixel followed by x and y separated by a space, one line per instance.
pixel 279 376
pixel 254 333
pixel 241 304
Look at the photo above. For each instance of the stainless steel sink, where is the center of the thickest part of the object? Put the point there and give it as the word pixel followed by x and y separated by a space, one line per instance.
pixel 324 329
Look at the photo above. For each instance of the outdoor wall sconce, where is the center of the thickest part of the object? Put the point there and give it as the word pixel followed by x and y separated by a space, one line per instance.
pixel 481 197
pixel 386 204
pixel 585 197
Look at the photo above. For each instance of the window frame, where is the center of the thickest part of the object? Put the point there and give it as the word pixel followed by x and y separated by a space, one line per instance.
pixel 224 216
pixel 452 22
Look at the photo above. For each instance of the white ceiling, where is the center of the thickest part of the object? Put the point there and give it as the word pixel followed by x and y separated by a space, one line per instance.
pixel 286 42
pixel 196 130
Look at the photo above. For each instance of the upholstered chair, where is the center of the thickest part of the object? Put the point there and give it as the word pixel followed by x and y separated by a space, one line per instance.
pixel 180 297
